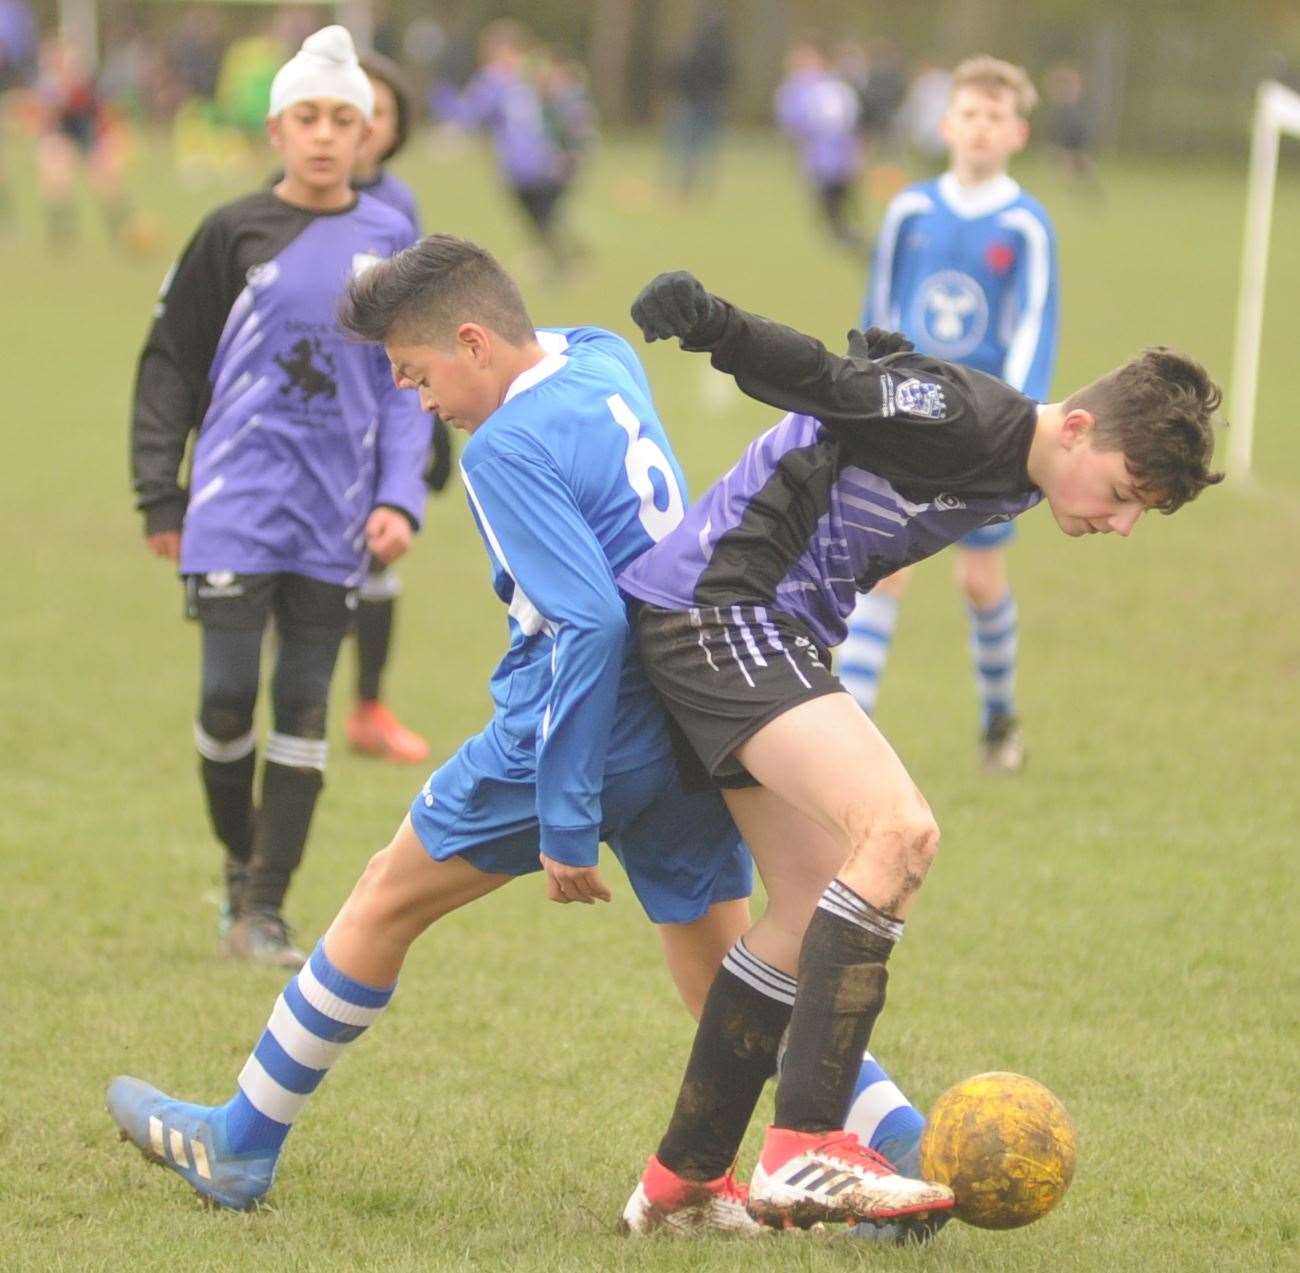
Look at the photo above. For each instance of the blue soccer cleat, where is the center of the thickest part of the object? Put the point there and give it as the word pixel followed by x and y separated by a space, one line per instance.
pixel 191 1140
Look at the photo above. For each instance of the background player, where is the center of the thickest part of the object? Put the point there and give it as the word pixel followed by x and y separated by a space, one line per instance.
pixel 819 112
pixel 965 266
pixel 372 726
pixel 887 457
pixel 307 458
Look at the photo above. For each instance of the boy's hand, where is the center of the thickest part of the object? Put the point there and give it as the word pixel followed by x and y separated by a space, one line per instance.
pixel 388 534
pixel 166 543
pixel 677 304
pixel 566 883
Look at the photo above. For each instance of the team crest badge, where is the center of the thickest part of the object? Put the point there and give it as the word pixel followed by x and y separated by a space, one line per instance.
pixel 920 398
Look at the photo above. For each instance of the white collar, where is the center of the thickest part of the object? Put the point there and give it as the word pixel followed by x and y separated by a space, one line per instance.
pixel 554 343
pixel 970 202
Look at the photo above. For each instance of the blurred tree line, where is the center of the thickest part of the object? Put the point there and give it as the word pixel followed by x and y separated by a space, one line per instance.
pixel 1161 76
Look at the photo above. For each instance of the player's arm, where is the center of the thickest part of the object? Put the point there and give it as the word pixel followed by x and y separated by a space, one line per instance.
pixel 401 452
pixel 171 387
pixel 1031 349
pixel 562 578
pixel 770 362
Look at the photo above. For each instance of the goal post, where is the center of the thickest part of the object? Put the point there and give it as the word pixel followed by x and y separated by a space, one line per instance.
pixel 1277 111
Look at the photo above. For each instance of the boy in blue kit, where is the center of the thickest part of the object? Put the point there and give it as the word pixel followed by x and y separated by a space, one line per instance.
pixel 306 464
pixel 965 267
pixel 570 478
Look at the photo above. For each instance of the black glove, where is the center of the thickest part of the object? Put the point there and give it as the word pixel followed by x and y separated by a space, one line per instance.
pixel 437 471
pixel 877 342
pixel 677 304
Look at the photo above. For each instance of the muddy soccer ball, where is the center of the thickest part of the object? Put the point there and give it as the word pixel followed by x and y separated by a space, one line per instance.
pixel 1006 1147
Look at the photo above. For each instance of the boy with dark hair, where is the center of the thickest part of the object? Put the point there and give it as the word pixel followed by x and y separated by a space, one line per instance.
pixel 307 461
pixel 965 267
pixel 570 477
pixel 888 456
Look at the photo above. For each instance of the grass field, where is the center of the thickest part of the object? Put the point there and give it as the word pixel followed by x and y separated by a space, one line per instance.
pixel 1120 921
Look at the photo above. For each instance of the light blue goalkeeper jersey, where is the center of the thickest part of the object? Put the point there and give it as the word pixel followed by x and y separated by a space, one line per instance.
pixel 570 480
pixel 969 275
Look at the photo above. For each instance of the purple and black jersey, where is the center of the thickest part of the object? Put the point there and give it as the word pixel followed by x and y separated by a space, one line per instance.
pixel 879 464
pixel 301 432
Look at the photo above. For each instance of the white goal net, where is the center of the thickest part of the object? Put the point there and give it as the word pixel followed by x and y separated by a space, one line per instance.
pixel 1277 111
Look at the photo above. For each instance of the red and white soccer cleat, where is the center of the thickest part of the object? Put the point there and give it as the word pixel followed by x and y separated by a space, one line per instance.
pixel 373 729
pixel 664 1202
pixel 804 1177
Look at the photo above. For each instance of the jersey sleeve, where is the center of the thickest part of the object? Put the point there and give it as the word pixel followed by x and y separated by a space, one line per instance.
pixel 878 307
pixel 1031 348
pixel 171 387
pixel 401 445
pixel 794 372
pixel 536 532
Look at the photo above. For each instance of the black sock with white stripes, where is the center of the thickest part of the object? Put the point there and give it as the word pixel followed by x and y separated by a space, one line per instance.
pixel 288 800
pixel 842 978
pixel 734 1054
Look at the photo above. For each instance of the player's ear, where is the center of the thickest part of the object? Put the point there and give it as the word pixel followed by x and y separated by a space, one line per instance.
pixel 475 341
pixel 273 134
pixel 1022 135
pixel 1076 427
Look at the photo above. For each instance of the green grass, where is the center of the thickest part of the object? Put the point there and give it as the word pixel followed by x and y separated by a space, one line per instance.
pixel 1119 922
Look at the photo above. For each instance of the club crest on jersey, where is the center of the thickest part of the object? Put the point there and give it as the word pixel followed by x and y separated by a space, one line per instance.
pixel 920 398
pixel 952 314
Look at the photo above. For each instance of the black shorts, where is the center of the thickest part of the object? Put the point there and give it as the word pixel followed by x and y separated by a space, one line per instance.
pixel 723 673
pixel 305 609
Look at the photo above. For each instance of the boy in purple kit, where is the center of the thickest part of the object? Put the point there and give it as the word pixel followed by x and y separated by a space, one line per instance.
pixel 887 456
pixel 307 461
pixel 503 99
pixel 819 112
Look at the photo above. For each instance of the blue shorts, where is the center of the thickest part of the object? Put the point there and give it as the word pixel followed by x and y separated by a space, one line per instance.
pixel 999 535
pixel 680 849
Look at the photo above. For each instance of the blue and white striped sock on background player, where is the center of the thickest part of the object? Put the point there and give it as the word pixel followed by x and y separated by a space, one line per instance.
pixel 866 647
pixel 995 640
pixel 883 1118
pixel 317 1015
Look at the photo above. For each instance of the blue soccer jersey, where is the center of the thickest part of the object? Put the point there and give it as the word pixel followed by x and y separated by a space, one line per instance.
pixel 570 480
pixel 969 275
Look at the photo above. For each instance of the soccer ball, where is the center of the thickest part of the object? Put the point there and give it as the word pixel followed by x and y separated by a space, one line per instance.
pixel 1006 1147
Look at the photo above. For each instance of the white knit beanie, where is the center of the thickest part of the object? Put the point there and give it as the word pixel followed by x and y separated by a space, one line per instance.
pixel 325 66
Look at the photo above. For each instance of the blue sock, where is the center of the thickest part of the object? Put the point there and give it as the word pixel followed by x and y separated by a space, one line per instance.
pixel 865 649
pixel 318 1014
pixel 884 1119
pixel 995 639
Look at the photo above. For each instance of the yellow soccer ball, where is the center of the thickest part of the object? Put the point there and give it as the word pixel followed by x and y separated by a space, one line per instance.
pixel 1006 1147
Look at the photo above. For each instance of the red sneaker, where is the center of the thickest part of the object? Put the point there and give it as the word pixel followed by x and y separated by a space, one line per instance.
pixel 804 1177
pixel 374 730
pixel 664 1201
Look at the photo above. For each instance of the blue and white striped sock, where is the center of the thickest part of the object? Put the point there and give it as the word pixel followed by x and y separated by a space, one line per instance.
pixel 995 639
pixel 865 649
pixel 884 1119
pixel 317 1015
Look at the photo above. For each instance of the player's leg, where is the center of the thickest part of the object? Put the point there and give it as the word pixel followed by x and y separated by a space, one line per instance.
pixel 227 745
pixel 232 611
pixel 311 618
pixel 56 168
pixel 827 760
pixel 994 643
pixel 865 650
pixel 229 1152
pixel 372 728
